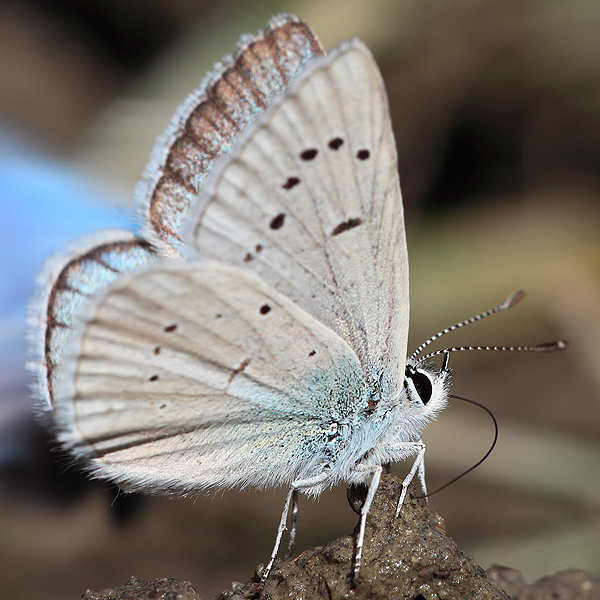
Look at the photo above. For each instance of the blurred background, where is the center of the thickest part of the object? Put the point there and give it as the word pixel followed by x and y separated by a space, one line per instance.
pixel 496 109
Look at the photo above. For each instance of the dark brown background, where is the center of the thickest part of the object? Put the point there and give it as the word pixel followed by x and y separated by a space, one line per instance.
pixel 496 107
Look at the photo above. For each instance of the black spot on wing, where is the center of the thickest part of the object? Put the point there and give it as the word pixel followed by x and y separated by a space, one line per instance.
pixel 258 248
pixel 153 378
pixel 312 352
pixel 335 143
pixel 277 222
pixel 265 309
pixel 363 154
pixel 170 328
pixel 346 225
pixel 290 183
pixel 309 154
pixel 157 350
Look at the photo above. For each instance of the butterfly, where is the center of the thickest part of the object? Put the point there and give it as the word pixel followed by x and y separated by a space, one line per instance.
pixel 254 332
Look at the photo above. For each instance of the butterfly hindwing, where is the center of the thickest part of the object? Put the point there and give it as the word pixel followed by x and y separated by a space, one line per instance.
pixel 183 377
pixel 310 202
pixel 69 281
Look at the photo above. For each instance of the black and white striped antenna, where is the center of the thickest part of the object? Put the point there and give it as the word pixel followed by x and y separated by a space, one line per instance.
pixel 504 305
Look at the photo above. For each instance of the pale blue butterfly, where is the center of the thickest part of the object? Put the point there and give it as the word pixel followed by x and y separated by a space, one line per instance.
pixel 255 332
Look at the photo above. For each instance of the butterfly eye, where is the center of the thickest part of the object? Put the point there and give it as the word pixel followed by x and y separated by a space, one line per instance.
pixel 422 384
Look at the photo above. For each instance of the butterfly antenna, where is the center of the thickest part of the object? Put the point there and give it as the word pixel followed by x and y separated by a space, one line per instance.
pixel 491 448
pixel 547 347
pixel 508 303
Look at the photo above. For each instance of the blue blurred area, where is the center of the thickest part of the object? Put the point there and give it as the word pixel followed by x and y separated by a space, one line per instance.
pixel 44 205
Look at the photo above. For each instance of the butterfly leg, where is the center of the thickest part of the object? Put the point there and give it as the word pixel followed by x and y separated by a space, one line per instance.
pixel 363 519
pixel 284 514
pixel 296 485
pixel 293 524
pixel 422 479
pixel 420 448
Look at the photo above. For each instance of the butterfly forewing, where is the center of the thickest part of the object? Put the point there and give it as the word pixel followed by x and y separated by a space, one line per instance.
pixel 310 202
pixel 205 125
pixel 186 377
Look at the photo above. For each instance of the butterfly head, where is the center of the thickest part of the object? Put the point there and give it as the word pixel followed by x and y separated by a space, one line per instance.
pixel 426 389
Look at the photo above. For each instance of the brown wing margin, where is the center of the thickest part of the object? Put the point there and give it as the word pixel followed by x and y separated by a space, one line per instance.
pixel 207 122
pixel 68 282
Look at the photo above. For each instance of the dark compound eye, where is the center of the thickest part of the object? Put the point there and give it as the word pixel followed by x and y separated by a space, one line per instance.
pixel 422 384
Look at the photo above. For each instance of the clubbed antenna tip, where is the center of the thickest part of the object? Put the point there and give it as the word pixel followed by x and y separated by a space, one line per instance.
pixel 512 299
pixel 552 346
